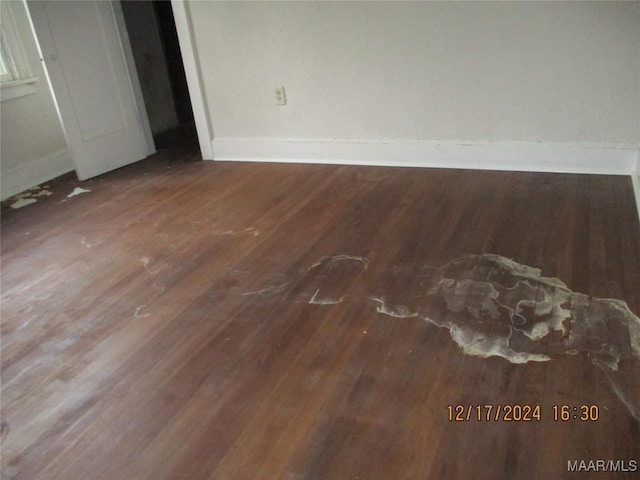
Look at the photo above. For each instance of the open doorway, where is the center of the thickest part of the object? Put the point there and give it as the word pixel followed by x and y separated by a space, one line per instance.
pixel 154 43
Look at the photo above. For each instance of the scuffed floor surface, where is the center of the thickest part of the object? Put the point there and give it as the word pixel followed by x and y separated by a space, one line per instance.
pixel 194 320
pixel 492 306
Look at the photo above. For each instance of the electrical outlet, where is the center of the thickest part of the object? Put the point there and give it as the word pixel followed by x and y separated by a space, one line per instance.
pixel 281 98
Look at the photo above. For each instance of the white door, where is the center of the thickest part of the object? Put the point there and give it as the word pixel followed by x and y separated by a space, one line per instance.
pixel 102 114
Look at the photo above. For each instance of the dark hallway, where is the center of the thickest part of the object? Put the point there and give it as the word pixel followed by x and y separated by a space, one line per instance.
pixel 156 50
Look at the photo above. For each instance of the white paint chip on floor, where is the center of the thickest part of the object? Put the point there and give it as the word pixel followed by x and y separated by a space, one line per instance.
pixel 29 196
pixel 77 191
pixel 23 202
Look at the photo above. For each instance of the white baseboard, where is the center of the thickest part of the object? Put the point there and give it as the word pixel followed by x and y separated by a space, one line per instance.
pixel 524 156
pixel 35 172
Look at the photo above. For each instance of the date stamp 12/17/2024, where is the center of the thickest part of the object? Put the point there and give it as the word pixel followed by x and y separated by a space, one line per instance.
pixel 521 413
pixel 534 413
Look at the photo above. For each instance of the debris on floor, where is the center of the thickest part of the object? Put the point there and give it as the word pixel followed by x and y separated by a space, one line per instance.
pixel 77 191
pixel 23 202
pixel 30 196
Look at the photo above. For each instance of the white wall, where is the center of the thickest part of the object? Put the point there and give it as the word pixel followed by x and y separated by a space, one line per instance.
pixel 553 72
pixel 33 147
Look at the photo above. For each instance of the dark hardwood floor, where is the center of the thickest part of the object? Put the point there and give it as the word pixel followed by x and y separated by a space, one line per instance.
pixel 194 320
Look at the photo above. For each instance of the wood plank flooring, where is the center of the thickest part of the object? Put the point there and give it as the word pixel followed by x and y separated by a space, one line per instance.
pixel 204 320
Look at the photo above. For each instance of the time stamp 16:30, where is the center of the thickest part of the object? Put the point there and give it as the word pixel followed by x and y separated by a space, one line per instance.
pixel 521 413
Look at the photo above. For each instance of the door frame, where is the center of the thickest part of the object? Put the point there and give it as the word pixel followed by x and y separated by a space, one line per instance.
pixel 184 29
pixel 194 79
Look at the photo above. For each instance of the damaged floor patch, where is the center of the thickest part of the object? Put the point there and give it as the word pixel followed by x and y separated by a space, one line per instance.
pixel 492 306
pixel 30 196
pixel 23 202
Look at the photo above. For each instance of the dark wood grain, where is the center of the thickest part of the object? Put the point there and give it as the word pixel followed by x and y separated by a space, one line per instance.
pixel 144 334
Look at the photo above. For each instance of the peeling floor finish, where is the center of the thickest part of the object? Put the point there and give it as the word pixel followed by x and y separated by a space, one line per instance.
pixel 29 196
pixel 491 306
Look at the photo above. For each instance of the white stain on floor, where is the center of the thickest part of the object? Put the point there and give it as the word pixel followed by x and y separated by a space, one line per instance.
pixel 88 244
pixel 270 290
pixel 138 313
pixel 30 196
pixel 252 231
pixel 78 191
pixel 23 202
pixel 492 307
pixel 316 299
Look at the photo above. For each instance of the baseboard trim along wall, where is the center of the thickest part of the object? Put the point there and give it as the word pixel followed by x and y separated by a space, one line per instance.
pixel 35 172
pixel 520 156
pixel 525 156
